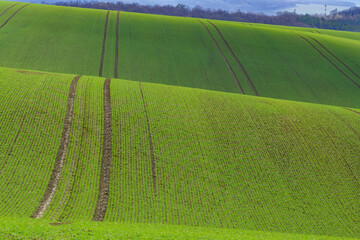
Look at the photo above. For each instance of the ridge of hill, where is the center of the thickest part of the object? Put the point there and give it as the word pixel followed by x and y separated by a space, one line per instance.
pixel 79 148
pixel 307 65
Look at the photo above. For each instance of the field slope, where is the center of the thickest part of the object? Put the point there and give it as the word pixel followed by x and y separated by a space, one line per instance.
pixel 270 61
pixel 177 156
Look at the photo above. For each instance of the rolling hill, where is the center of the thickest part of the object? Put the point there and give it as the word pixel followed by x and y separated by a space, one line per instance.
pixel 277 62
pixel 125 125
pixel 179 156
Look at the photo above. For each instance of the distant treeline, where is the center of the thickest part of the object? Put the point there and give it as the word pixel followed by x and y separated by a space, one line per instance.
pixel 345 20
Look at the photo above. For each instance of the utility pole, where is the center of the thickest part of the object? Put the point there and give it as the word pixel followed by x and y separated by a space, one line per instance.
pixel 325 9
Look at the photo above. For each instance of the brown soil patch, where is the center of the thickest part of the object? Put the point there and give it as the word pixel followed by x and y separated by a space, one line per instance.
pixel 59 223
pixel 222 54
pixel 60 158
pixel 153 166
pixel 33 73
pixel 102 201
pixel 237 59
pixel 7 20
pixel 7 9
pixel 117 47
pixel 332 63
pixel 103 45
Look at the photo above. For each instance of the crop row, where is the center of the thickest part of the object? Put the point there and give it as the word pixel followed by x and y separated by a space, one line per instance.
pixel 219 160
pixel 34 103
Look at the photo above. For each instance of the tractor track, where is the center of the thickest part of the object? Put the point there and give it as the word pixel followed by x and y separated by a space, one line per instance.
pixel 7 20
pixel 332 63
pixel 223 56
pixel 352 111
pixel 153 164
pixel 332 54
pixel 7 9
pixel 237 59
pixel 103 45
pixel 60 158
pixel 103 197
pixel 117 47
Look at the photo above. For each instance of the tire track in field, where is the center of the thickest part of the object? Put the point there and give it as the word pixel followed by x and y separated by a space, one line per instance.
pixel 347 124
pixel 73 161
pixel 7 9
pixel 329 137
pixel 223 56
pixel 13 144
pixel 117 47
pixel 60 158
pixel 153 166
pixel 332 54
pixel 103 197
pixel 352 111
pixel 329 60
pixel 103 45
pixel 7 20
pixel 237 59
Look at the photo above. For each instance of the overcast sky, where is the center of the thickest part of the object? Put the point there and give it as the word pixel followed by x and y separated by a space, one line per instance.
pixel 266 6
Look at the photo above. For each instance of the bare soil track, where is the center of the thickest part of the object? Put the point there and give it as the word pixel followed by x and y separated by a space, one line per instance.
pixel 153 166
pixel 103 197
pixel 332 54
pixel 7 20
pixel 117 47
pixel 7 9
pixel 103 45
pixel 222 54
pixel 237 59
pixel 60 158
pixel 332 63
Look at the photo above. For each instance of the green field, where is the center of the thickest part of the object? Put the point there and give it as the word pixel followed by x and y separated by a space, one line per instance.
pixel 122 125
pixel 221 160
pixel 34 229
pixel 180 51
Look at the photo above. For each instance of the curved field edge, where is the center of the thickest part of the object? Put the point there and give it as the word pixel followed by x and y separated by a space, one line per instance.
pixel 20 228
pixel 219 159
pixel 270 61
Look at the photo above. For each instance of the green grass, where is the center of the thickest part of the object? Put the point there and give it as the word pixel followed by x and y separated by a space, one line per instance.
pixel 15 228
pixel 222 160
pixel 179 51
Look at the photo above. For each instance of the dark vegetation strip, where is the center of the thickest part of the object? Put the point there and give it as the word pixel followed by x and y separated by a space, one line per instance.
pixel 103 45
pixel 237 59
pixel 352 110
pixel 7 20
pixel 103 197
pixel 347 76
pixel 222 54
pixel 153 167
pixel 332 54
pixel 117 47
pixel 7 9
pixel 60 158
pixel 13 144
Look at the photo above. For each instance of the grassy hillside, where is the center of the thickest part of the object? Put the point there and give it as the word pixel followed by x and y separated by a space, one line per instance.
pixel 45 229
pixel 256 59
pixel 178 156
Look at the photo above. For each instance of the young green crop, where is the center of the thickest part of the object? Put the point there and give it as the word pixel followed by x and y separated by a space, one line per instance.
pixel 32 111
pixel 179 51
pixel 20 228
pixel 218 159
